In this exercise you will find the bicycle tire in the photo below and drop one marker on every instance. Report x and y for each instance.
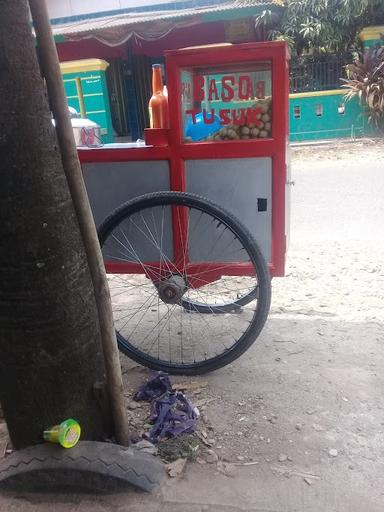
(253, 250)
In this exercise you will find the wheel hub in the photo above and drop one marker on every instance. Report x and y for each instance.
(172, 289)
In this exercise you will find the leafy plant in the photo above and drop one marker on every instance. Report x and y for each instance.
(318, 26)
(366, 81)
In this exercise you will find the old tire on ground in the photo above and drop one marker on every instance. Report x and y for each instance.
(88, 467)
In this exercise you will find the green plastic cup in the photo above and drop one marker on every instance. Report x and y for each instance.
(67, 434)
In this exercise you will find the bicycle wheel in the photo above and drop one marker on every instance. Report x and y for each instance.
(170, 257)
(231, 307)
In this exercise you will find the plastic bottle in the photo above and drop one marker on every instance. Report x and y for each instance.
(158, 104)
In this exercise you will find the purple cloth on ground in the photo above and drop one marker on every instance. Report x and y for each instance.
(171, 412)
(153, 388)
(172, 415)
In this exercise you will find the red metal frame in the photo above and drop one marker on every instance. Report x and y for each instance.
(178, 151)
(199, 274)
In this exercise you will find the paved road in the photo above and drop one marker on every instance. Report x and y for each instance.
(338, 197)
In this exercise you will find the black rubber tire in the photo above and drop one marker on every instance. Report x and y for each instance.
(249, 243)
(232, 307)
(90, 466)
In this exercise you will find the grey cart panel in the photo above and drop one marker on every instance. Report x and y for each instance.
(139, 238)
(109, 185)
(244, 187)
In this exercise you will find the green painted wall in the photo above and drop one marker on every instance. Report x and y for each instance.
(371, 42)
(96, 99)
(316, 116)
(372, 35)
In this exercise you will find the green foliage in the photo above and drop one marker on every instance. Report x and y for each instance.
(316, 26)
(366, 80)
(325, 25)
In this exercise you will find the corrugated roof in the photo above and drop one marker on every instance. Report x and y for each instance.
(124, 25)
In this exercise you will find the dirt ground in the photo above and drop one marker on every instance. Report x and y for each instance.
(297, 423)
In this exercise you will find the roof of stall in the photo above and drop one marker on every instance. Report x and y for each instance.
(116, 29)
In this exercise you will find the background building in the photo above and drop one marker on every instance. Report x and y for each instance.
(116, 41)
(130, 36)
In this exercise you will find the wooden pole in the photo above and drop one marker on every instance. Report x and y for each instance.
(79, 91)
(51, 70)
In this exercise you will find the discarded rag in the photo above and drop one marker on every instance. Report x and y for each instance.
(153, 388)
(171, 412)
(172, 415)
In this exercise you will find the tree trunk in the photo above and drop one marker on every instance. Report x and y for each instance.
(50, 351)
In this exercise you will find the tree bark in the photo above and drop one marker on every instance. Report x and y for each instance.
(49, 64)
(50, 351)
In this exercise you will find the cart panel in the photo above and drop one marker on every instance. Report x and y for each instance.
(132, 241)
(110, 184)
(244, 187)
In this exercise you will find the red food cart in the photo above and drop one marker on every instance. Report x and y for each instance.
(192, 223)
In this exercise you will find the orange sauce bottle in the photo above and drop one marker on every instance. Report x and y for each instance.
(158, 104)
